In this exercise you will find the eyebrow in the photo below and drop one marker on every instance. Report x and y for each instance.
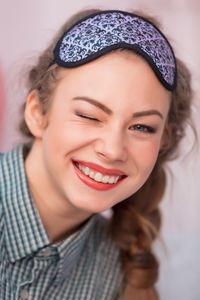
(148, 113)
(109, 111)
(95, 103)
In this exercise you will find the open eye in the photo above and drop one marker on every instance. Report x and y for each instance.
(86, 117)
(143, 128)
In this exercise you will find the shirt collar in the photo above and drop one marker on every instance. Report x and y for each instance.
(24, 231)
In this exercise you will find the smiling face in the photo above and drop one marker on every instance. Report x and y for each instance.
(104, 132)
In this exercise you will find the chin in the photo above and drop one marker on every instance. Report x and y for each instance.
(96, 204)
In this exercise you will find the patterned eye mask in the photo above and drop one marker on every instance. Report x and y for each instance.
(99, 33)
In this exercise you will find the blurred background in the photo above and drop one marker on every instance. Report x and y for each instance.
(26, 28)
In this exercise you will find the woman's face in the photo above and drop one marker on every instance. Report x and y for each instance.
(104, 131)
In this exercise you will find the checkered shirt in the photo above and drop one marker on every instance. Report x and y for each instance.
(85, 266)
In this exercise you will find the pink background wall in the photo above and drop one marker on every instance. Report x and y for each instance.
(2, 100)
(27, 26)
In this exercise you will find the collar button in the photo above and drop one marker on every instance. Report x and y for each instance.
(46, 252)
(24, 294)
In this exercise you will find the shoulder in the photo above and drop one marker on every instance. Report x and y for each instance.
(11, 157)
(10, 165)
(1, 156)
(1, 207)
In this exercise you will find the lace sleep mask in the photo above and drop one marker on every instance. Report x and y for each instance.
(102, 32)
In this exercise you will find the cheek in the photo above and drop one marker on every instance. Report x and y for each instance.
(146, 154)
(64, 136)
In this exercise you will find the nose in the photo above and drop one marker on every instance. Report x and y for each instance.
(112, 146)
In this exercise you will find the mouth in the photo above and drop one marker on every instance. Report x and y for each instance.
(98, 177)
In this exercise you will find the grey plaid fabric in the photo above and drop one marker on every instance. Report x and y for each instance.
(85, 266)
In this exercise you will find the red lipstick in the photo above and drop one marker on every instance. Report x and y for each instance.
(104, 171)
(94, 184)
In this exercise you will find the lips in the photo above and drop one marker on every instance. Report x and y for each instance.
(104, 171)
(96, 176)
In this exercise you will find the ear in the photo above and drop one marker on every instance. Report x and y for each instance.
(33, 114)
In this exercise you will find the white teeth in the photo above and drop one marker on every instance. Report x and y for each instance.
(105, 179)
(98, 176)
(116, 179)
(111, 179)
(87, 171)
(91, 174)
(80, 167)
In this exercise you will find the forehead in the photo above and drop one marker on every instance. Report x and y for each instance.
(120, 59)
(116, 59)
(117, 77)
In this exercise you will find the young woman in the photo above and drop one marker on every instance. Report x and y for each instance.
(106, 108)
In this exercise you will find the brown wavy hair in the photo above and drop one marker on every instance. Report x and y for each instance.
(136, 221)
